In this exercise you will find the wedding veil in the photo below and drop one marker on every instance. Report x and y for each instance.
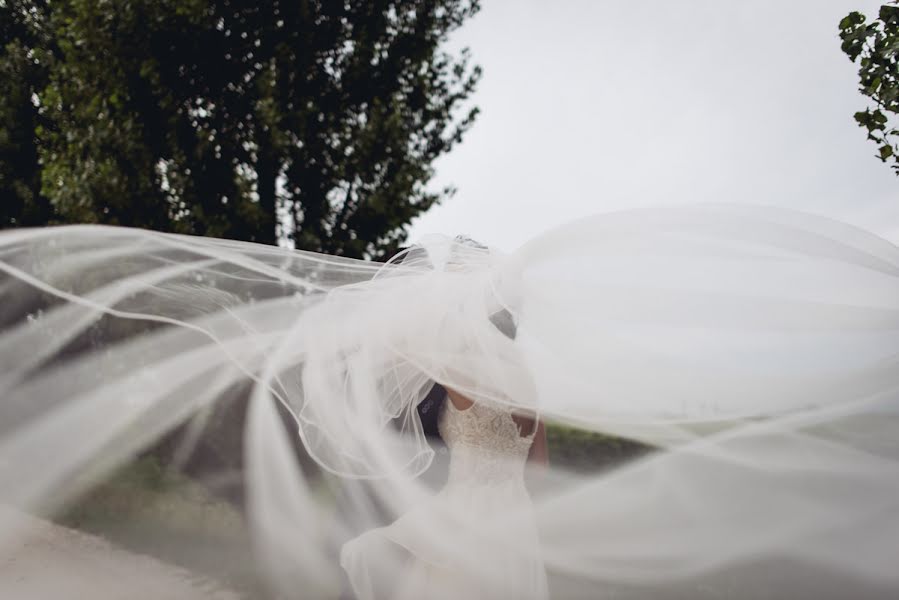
(755, 350)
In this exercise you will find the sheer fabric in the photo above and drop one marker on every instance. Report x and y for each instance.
(754, 348)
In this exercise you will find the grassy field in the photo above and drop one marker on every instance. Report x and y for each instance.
(151, 509)
(589, 452)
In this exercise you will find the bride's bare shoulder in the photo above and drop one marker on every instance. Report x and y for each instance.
(458, 400)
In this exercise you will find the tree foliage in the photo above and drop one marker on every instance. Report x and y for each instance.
(875, 46)
(313, 121)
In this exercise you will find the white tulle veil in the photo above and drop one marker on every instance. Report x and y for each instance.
(755, 350)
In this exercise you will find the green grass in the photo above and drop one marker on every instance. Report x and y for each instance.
(150, 509)
(589, 452)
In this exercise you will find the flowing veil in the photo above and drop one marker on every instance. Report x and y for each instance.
(754, 350)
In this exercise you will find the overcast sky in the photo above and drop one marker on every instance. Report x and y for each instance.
(592, 106)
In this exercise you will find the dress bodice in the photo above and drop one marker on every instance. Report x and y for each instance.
(484, 512)
(484, 443)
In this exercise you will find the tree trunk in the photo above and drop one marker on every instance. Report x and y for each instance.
(267, 175)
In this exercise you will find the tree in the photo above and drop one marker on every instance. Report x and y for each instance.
(312, 121)
(875, 46)
(21, 202)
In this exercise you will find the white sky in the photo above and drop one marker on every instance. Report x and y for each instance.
(592, 106)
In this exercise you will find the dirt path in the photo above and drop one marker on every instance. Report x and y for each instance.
(49, 561)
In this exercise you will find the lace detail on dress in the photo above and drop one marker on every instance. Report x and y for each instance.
(484, 443)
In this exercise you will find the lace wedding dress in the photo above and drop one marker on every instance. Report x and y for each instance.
(490, 548)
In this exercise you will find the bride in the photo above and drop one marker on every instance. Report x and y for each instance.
(489, 446)
(755, 349)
